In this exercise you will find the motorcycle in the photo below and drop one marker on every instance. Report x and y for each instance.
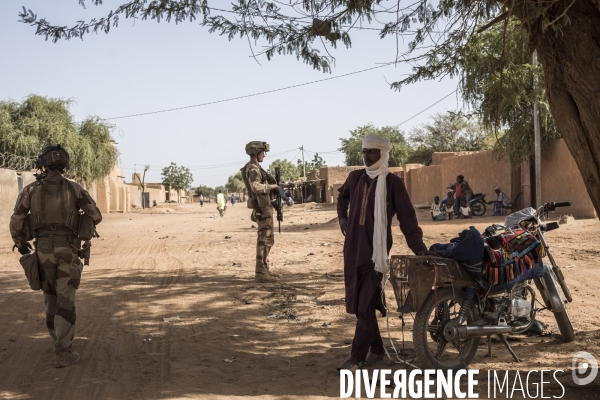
(452, 317)
(476, 204)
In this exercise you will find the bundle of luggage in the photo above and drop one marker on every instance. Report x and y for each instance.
(511, 257)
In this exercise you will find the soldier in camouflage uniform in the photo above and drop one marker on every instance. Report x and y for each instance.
(261, 187)
(48, 211)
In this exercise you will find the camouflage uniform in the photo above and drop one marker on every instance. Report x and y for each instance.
(57, 253)
(262, 213)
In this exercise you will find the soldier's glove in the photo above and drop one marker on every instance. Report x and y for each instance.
(25, 249)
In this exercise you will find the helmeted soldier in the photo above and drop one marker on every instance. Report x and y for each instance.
(262, 188)
(50, 211)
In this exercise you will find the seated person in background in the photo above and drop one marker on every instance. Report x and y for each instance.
(464, 210)
(437, 214)
(449, 202)
(502, 201)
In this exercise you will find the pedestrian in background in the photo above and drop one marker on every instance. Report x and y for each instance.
(221, 203)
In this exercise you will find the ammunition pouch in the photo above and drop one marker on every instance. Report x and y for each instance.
(86, 228)
(264, 201)
(31, 267)
(252, 202)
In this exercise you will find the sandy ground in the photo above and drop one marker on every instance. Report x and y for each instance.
(231, 336)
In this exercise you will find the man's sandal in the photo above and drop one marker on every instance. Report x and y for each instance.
(349, 364)
(371, 359)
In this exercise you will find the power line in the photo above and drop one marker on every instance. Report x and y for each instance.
(323, 152)
(422, 111)
(213, 166)
(254, 94)
(289, 151)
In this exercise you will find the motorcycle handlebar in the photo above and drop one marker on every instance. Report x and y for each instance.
(553, 205)
(562, 204)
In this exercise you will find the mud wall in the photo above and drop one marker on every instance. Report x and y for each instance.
(408, 177)
(334, 178)
(103, 193)
(436, 158)
(134, 196)
(426, 183)
(28, 177)
(9, 190)
(562, 181)
(156, 194)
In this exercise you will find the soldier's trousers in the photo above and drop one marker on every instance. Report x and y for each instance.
(264, 242)
(61, 270)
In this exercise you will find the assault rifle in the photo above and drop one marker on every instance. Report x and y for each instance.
(278, 199)
(84, 253)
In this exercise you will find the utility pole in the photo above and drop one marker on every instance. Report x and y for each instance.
(146, 168)
(303, 164)
(538, 141)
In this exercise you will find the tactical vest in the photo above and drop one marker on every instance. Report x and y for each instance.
(257, 201)
(54, 208)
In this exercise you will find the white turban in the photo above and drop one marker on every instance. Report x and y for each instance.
(379, 170)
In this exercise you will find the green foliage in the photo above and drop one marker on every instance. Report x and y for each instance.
(434, 31)
(204, 191)
(496, 82)
(511, 104)
(289, 172)
(352, 147)
(235, 184)
(447, 132)
(178, 178)
(37, 122)
(316, 164)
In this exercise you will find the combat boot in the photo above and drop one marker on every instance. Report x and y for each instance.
(265, 278)
(65, 358)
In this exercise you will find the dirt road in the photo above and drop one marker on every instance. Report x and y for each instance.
(227, 335)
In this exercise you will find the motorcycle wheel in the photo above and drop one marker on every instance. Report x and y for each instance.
(478, 208)
(562, 316)
(431, 348)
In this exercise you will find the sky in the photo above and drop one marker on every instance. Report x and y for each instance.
(144, 66)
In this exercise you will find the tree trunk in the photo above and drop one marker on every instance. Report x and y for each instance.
(571, 63)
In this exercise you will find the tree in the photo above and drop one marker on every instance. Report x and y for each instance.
(352, 147)
(235, 184)
(564, 33)
(447, 132)
(204, 191)
(177, 178)
(289, 172)
(317, 163)
(37, 122)
(510, 105)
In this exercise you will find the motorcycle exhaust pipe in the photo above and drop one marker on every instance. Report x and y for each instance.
(466, 332)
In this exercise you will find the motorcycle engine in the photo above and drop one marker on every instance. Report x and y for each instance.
(521, 308)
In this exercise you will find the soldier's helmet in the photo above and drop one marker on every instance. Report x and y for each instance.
(53, 156)
(256, 147)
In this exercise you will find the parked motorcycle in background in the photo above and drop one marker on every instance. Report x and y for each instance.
(477, 203)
